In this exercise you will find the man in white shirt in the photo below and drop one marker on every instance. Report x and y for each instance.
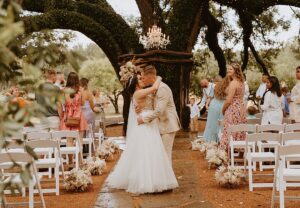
(262, 87)
(207, 91)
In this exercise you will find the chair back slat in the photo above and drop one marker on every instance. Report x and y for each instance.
(43, 143)
(290, 136)
(270, 127)
(292, 127)
(65, 133)
(288, 150)
(15, 156)
(242, 128)
(263, 136)
(38, 135)
(253, 121)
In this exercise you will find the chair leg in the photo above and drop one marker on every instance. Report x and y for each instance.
(31, 198)
(90, 149)
(57, 180)
(77, 161)
(250, 174)
(39, 188)
(231, 154)
(260, 163)
(281, 193)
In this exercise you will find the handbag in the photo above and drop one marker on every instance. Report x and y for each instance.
(72, 122)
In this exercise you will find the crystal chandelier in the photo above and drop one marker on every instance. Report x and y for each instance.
(155, 39)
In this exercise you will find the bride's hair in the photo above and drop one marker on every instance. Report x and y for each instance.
(131, 85)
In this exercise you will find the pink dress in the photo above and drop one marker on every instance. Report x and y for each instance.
(73, 108)
(234, 114)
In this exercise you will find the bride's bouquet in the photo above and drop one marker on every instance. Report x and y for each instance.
(230, 176)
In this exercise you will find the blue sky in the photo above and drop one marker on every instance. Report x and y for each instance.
(129, 8)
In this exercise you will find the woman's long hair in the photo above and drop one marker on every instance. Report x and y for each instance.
(275, 88)
(73, 82)
(238, 71)
(84, 83)
(220, 88)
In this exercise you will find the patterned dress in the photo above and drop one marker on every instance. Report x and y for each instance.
(234, 114)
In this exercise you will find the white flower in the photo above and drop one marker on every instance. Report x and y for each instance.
(230, 176)
(77, 180)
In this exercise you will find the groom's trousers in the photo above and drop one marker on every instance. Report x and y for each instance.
(168, 140)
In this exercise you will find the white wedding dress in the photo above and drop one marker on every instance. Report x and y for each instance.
(144, 166)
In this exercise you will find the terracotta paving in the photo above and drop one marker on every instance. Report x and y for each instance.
(186, 167)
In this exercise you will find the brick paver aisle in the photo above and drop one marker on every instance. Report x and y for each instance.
(186, 167)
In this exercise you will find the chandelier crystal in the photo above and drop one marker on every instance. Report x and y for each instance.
(155, 39)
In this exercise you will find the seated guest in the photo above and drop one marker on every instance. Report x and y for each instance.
(272, 106)
(251, 110)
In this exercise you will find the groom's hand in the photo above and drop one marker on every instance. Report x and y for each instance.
(140, 120)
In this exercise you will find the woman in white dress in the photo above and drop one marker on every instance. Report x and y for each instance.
(144, 166)
(272, 103)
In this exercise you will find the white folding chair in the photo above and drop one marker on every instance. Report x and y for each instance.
(284, 174)
(233, 144)
(259, 115)
(295, 127)
(47, 151)
(89, 140)
(100, 136)
(65, 150)
(288, 139)
(51, 162)
(259, 156)
(292, 127)
(21, 159)
(268, 144)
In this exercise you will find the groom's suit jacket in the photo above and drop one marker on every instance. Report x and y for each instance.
(164, 110)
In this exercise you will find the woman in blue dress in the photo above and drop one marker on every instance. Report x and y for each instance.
(217, 99)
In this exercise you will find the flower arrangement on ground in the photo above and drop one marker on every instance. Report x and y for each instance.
(94, 165)
(216, 157)
(107, 149)
(230, 176)
(77, 180)
(197, 143)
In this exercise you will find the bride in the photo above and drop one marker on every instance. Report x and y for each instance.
(144, 166)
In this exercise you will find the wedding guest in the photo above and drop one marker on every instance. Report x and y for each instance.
(207, 91)
(285, 96)
(87, 100)
(60, 80)
(194, 116)
(72, 110)
(51, 120)
(215, 111)
(100, 102)
(273, 103)
(262, 87)
(247, 92)
(233, 107)
(251, 110)
(295, 99)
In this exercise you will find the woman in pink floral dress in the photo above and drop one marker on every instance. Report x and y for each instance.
(233, 108)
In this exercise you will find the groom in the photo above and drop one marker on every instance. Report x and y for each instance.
(164, 110)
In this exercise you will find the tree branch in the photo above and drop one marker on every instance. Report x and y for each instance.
(258, 59)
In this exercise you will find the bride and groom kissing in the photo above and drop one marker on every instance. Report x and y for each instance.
(146, 164)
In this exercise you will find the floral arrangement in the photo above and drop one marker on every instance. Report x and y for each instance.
(216, 157)
(230, 176)
(127, 71)
(107, 149)
(197, 143)
(78, 180)
(207, 146)
(94, 165)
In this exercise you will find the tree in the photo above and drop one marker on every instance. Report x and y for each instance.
(102, 75)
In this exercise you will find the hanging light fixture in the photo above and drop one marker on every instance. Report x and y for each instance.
(154, 39)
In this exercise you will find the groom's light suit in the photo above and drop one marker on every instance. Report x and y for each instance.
(165, 111)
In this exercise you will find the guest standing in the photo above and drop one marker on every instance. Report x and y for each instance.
(215, 111)
(194, 117)
(295, 99)
(262, 87)
(233, 107)
(87, 102)
(272, 106)
(207, 91)
(72, 109)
